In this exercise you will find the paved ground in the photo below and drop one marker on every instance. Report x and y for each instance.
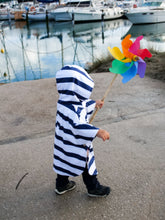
(132, 162)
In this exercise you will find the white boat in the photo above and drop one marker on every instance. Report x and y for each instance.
(126, 5)
(87, 11)
(64, 12)
(38, 13)
(5, 12)
(38, 16)
(6, 15)
(150, 12)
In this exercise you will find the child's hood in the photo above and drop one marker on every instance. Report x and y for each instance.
(74, 83)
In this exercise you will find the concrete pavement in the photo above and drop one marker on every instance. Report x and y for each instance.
(132, 162)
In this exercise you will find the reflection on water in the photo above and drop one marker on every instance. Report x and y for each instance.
(39, 50)
(154, 35)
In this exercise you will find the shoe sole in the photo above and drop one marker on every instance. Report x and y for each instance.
(99, 196)
(94, 195)
(61, 193)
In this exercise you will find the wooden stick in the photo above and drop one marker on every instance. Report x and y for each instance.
(105, 95)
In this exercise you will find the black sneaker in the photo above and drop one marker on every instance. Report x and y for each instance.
(70, 186)
(99, 191)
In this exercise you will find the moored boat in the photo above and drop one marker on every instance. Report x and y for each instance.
(87, 11)
(150, 12)
(5, 12)
(38, 13)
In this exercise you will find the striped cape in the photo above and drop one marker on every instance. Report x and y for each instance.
(73, 134)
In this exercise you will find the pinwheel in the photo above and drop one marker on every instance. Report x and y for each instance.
(131, 62)
(128, 64)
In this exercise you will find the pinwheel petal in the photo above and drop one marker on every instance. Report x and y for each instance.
(136, 45)
(116, 53)
(143, 53)
(126, 44)
(131, 73)
(141, 68)
(119, 67)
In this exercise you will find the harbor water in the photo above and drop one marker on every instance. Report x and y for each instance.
(38, 50)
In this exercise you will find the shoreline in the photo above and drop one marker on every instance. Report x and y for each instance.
(155, 68)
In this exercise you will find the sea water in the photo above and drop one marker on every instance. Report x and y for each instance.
(38, 50)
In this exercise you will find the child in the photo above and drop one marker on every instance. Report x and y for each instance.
(73, 150)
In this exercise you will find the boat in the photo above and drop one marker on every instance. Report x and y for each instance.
(14, 11)
(126, 5)
(64, 12)
(38, 13)
(5, 12)
(150, 12)
(86, 11)
(37, 16)
(6, 15)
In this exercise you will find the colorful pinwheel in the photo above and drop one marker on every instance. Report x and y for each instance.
(127, 64)
(131, 61)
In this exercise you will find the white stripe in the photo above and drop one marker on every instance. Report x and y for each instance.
(84, 132)
(74, 88)
(71, 138)
(67, 167)
(92, 168)
(70, 148)
(74, 74)
(66, 174)
(71, 160)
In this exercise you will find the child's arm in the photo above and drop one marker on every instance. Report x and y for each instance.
(103, 134)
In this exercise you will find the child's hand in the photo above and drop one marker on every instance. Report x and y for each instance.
(103, 134)
(99, 104)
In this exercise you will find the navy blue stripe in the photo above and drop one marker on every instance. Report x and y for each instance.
(69, 103)
(91, 102)
(69, 164)
(89, 113)
(82, 146)
(68, 92)
(74, 80)
(64, 170)
(67, 131)
(71, 107)
(70, 154)
(91, 161)
(95, 172)
(90, 149)
(76, 69)
(80, 126)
